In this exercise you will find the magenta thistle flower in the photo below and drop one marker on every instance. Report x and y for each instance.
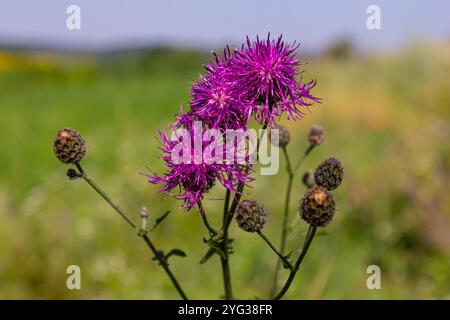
(189, 173)
(267, 72)
(183, 119)
(216, 100)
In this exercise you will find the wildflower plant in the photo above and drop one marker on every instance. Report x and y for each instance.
(262, 81)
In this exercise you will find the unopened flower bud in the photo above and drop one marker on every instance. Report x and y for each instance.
(72, 174)
(329, 174)
(317, 207)
(251, 216)
(144, 217)
(316, 135)
(69, 146)
(283, 137)
(144, 212)
(308, 179)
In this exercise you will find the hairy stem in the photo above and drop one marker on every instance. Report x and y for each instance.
(161, 259)
(309, 238)
(282, 258)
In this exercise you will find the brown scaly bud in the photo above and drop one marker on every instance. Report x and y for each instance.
(329, 174)
(283, 137)
(251, 216)
(317, 207)
(316, 135)
(308, 179)
(69, 146)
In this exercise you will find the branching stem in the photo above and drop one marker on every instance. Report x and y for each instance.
(162, 261)
(285, 226)
(282, 258)
(309, 238)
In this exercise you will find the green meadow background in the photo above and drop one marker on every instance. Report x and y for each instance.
(386, 116)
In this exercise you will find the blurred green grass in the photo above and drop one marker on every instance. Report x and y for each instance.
(386, 117)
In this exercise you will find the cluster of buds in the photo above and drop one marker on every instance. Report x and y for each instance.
(317, 207)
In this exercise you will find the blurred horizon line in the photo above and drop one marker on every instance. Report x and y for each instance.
(148, 45)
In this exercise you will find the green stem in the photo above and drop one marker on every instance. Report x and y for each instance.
(225, 260)
(300, 161)
(147, 240)
(309, 238)
(285, 226)
(228, 214)
(211, 230)
(105, 196)
(282, 258)
(165, 266)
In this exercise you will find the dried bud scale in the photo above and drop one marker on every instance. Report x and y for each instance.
(317, 207)
(251, 216)
(69, 146)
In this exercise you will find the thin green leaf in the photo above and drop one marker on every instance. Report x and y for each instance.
(219, 251)
(176, 252)
(207, 255)
(159, 220)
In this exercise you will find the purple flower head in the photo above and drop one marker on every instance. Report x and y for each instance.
(216, 100)
(191, 172)
(183, 119)
(267, 72)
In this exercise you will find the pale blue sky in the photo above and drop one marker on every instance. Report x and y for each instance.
(211, 23)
